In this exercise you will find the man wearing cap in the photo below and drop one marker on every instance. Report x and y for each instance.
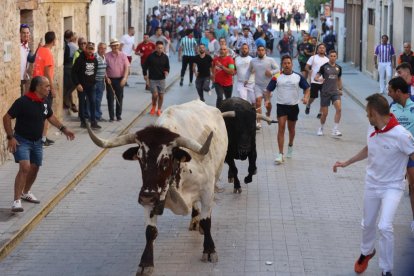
(117, 75)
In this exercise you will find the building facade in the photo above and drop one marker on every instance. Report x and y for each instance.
(42, 16)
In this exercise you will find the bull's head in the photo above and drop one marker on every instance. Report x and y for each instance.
(159, 154)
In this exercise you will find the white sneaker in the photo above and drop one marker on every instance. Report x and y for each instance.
(336, 133)
(320, 132)
(17, 206)
(279, 159)
(30, 197)
(289, 152)
(258, 126)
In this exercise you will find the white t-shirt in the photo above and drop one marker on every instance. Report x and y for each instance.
(387, 158)
(242, 65)
(24, 53)
(128, 42)
(316, 62)
(289, 88)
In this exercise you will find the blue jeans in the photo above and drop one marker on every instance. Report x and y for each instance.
(28, 150)
(87, 97)
(99, 90)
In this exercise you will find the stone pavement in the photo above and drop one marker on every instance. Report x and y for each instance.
(65, 161)
(298, 216)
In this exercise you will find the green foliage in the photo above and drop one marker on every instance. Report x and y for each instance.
(313, 6)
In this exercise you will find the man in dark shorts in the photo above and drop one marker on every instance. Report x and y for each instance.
(25, 142)
(305, 51)
(289, 86)
(158, 66)
(330, 74)
(203, 63)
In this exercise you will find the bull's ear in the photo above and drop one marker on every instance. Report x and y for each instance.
(131, 154)
(181, 155)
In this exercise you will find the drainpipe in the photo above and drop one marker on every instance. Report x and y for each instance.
(391, 20)
(360, 37)
(129, 14)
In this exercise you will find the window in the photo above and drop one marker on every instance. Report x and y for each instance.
(371, 17)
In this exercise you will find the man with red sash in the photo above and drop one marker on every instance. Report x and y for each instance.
(25, 142)
(388, 146)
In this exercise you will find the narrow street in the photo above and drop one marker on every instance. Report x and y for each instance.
(298, 218)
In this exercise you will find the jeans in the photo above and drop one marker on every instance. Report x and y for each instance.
(119, 93)
(385, 71)
(68, 86)
(87, 96)
(385, 203)
(202, 85)
(99, 90)
(220, 90)
(28, 150)
(187, 60)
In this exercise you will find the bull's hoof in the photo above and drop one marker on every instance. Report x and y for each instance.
(248, 179)
(210, 257)
(145, 271)
(231, 179)
(194, 225)
(237, 191)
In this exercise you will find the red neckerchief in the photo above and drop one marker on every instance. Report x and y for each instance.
(391, 124)
(33, 96)
(92, 57)
(190, 36)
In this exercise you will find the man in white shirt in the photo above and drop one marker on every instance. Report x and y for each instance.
(127, 45)
(388, 146)
(314, 63)
(244, 86)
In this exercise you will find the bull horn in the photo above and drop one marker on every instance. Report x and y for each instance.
(111, 143)
(229, 114)
(193, 145)
(265, 118)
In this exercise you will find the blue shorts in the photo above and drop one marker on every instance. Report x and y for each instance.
(28, 150)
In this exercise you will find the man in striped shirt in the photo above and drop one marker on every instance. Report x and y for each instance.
(384, 60)
(100, 80)
(187, 50)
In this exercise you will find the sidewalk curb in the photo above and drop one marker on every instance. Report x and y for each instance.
(347, 90)
(9, 246)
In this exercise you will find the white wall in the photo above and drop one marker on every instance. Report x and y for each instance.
(97, 30)
(338, 19)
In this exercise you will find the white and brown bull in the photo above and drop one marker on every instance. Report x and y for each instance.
(181, 158)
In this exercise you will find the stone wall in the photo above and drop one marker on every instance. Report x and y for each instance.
(48, 15)
(9, 71)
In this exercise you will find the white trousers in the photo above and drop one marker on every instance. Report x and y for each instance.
(385, 71)
(246, 92)
(384, 203)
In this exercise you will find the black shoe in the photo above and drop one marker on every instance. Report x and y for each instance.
(95, 125)
(387, 274)
(181, 82)
(307, 110)
(111, 120)
(46, 143)
(83, 125)
(102, 120)
(119, 119)
(319, 116)
(50, 141)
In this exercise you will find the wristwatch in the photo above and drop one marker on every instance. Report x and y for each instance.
(9, 137)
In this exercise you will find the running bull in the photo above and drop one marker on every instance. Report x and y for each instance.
(181, 158)
(240, 118)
